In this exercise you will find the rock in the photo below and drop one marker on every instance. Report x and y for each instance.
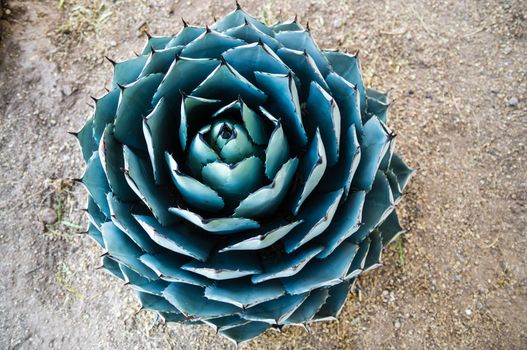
(48, 216)
(513, 101)
(397, 325)
(67, 89)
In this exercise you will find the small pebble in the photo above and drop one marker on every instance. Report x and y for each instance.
(513, 101)
(7, 12)
(397, 325)
(468, 312)
(336, 23)
(67, 90)
(48, 216)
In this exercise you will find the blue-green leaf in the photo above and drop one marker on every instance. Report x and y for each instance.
(227, 84)
(375, 143)
(348, 67)
(160, 60)
(142, 284)
(304, 67)
(373, 259)
(195, 193)
(315, 275)
(244, 332)
(334, 304)
(289, 26)
(341, 174)
(220, 226)
(267, 199)
(111, 155)
(156, 43)
(183, 75)
(105, 110)
(95, 215)
(248, 59)
(234, 182)
(86, 140)
(324, 114)
(301, 40)
(250, 34)
(357, 265)
(311, 169)
(347, 221)
(348, 100)
(190, 301)
(200, 153)
(317, 214)
(186, 35)
(243, 293)
(378, 205)
(309, 307)
(181, 239)
(401, 171)
(126, 72)
(228, 265)
(377, 104)
(390, 229)
(167, 266)
(158, 129)
(123, 219)
(288, 265)
(134, 105)
(95, 234)
(284, 103)
(124, 250)
(138, 174)
(95, 182)
(237, 18)
(275, 311)
(256, 125)
(238, 147)
(210, 44)
(262, 238)
(112, 266)
(195, 114)
(277, 151)
(155, 303)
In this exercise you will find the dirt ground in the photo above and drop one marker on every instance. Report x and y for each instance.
(457, 72)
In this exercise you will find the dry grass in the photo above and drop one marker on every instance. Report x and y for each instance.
(84, 16)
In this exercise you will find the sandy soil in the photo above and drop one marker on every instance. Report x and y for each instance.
(458, 75)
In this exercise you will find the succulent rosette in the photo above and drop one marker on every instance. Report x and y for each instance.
(238, 176)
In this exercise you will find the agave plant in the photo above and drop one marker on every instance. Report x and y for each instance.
(240, 177)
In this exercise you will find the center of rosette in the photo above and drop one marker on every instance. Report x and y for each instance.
(230, 141)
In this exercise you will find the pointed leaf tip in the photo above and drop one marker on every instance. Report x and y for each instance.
(110, 60)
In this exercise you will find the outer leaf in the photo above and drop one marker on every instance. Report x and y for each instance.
(218, 226)
(191, 302)
(283, 102)
(134, 105)
(179, 239)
